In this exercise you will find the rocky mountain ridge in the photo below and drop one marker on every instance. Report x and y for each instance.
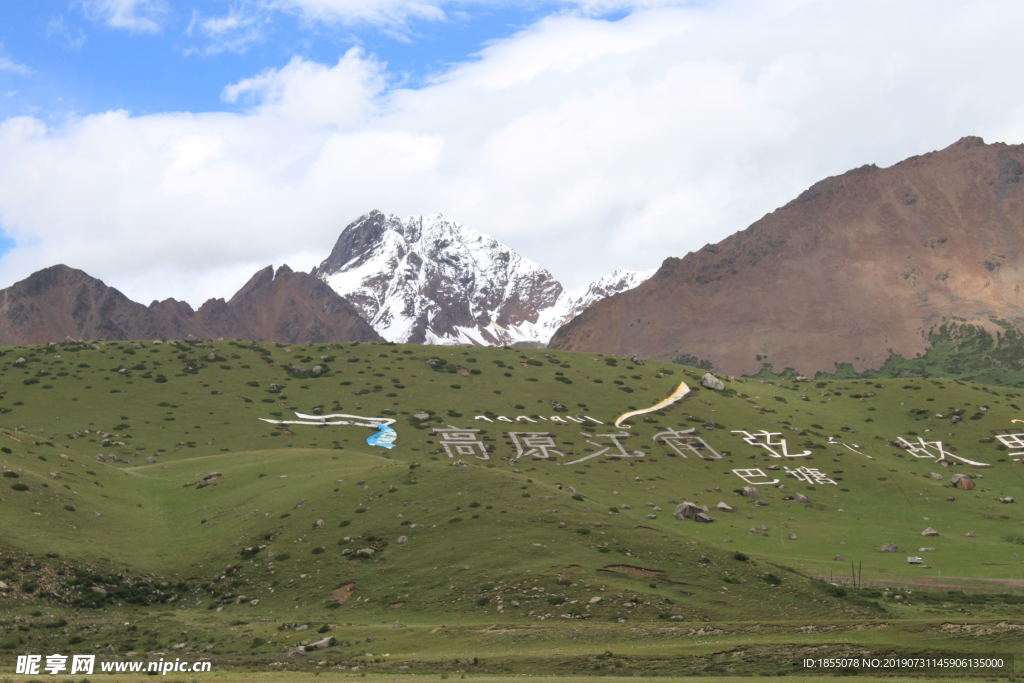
(59, 302)
(426, 280)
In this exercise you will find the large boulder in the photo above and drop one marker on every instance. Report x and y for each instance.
(688, 510)
(962, 482)
(709, 381)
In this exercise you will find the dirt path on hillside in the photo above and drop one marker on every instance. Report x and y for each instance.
(290, 452)
(948, 582)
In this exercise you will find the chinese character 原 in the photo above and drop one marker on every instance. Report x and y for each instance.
(537, 445)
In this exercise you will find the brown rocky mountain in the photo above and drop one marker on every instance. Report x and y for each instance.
(285, 306)
(60, 302)
(858, 266)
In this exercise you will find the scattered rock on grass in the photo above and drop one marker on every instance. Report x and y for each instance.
(208, 480)
(321, 644)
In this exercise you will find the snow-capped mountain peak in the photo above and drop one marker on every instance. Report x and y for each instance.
(428, 279)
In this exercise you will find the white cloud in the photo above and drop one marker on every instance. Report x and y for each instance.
(8, 65)
(385, 12)
(232, 32)
(304, 92)
(72, 37)
(586, 144)
(136, 16)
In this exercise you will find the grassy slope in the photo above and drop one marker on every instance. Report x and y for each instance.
(493, 542)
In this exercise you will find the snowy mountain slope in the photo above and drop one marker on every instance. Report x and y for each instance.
(572, 302)
(431, 280)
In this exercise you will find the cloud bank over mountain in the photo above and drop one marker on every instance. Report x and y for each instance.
(577, 140)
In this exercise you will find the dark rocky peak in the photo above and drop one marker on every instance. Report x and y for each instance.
(358, 238)
(59, 275)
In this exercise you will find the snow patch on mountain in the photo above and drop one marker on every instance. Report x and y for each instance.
(573, 302)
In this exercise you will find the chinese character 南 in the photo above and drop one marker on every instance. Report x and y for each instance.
(619, 451)
(810, 475)
(755, 476)
(771, 442)
(537, 445)
(458, 443)
(934, 450)
(684, 440)
(1013, 441)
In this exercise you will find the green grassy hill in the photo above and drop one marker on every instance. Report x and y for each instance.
(522, 564)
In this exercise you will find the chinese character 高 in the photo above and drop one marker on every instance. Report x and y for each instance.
(459, 443)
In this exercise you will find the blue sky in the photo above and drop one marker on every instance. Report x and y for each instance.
(74, 61)
(174, 147)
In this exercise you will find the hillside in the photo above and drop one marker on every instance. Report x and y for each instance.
(142, 486)
(859, 267)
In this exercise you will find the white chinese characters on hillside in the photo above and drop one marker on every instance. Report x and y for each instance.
(934, 450)
(1015, 442)
(771, 442)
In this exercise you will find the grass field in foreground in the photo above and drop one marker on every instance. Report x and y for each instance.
(539, 565)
